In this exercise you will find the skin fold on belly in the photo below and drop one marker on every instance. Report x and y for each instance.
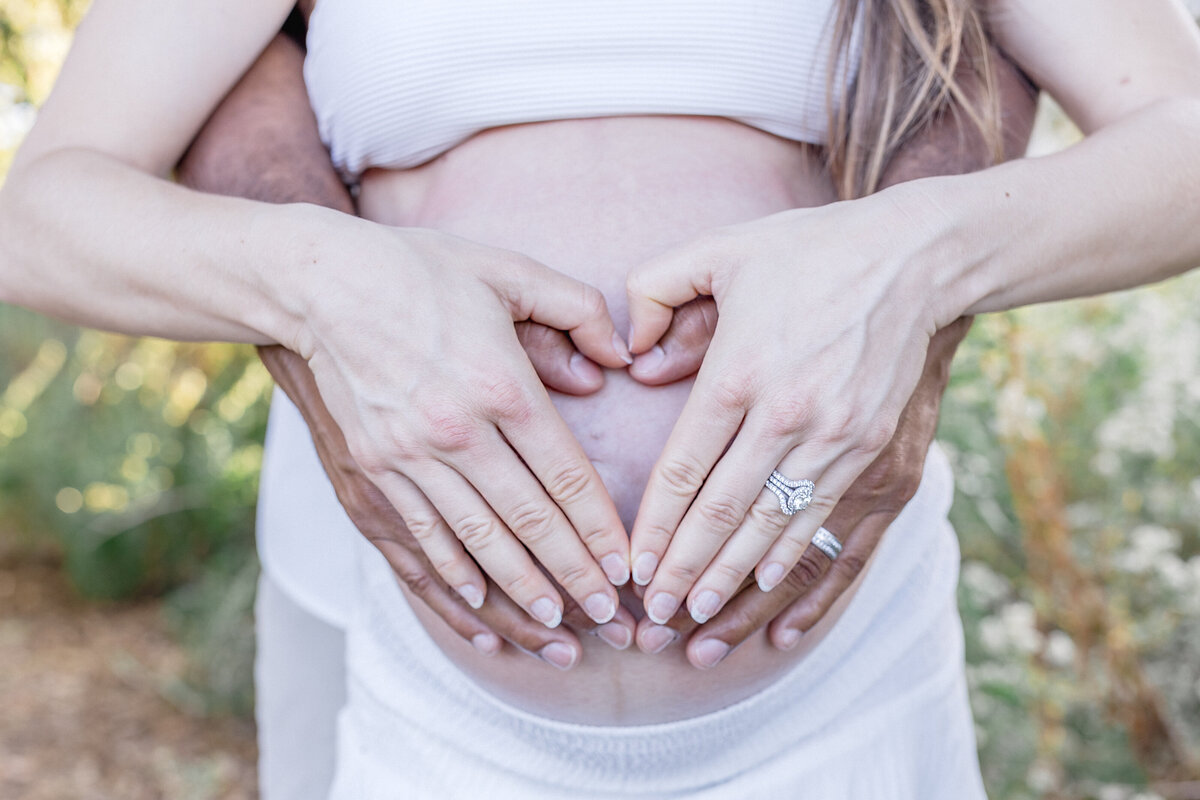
(592, 198)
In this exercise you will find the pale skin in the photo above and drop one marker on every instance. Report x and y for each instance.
(216, 268)
(262, 143)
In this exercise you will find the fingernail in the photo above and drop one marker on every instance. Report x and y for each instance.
(710, 652)
(470, 592)
(486, 643)
(616, 635)
(789, 638)
(616, 567)
(770, 577)
(656, 639)
(662, 607)
(643, 568)
(557, 654)
(622, 349)
(547, 612)
(652, 359)
(600, 607)
(583, 367)
(707, 603)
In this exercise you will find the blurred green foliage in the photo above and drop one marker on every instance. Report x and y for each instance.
(138, 461)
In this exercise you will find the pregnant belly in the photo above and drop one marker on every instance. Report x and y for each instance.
(593, 198)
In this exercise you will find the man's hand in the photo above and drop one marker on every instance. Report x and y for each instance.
(262, 143)
(876, 499)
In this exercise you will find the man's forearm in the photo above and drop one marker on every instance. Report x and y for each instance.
(262, 141)
(951, 145)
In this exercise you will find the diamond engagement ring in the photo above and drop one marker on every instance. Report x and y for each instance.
(827, 543)
(793, 495)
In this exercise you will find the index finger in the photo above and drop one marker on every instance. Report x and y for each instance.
(555, 457)
(709, 419)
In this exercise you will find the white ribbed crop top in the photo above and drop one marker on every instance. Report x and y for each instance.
(395, 83)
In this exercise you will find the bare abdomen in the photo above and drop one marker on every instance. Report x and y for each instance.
(592, 198)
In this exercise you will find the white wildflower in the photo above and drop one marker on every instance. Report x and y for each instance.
(1059, 650)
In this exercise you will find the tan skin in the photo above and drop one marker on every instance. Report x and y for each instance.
(269, 105)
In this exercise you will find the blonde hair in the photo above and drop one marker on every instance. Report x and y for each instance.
(917, 59)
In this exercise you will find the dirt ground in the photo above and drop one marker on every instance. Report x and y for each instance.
(83, 703)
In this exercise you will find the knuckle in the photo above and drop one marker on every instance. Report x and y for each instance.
(729, 573)
(739, 621)
(521, 585)
(682, 475)
(788, 415)
(568, 483)
(594, 538)
(765, 518)
(423, 527)
(507, 400)
(682, 574)
(573, 575)
(532, 521)
(592, 302)
(873, 437)
(730, 393)
(808, 570)
(849, 564)
(721, 512)
(420, 583)
(477, 533)
(450, 430)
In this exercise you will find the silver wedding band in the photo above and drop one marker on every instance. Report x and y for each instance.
(827, 543)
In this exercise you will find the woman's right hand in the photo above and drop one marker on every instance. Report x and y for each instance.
(410, 335)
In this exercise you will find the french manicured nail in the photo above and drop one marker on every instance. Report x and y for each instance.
(486, 643)
(656, 639)
(652, 359)
(770, 577)
(710, 652)
(622, 349)
(616, 635)
(557, 654)
(643, 568)
(600, 607)
(662, 607)
(707, 603)
(470, 592)
(547, 612)
(616, 567)
(789, 638)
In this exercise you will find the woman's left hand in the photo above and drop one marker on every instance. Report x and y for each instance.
(825, 316)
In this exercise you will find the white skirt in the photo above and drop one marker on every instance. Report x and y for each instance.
(877, 711)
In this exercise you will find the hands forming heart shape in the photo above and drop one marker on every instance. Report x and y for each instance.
(470, 456)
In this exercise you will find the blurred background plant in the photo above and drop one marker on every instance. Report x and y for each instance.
(1074, 429)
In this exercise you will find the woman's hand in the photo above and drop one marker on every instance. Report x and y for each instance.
(498, 618)
(823, 330)
(410, 335)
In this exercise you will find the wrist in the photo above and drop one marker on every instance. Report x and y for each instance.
(294, 272)
(949, 232)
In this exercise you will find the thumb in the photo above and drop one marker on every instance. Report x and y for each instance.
(656, 288)
(537, 293)
(681, 349)
(559, 365)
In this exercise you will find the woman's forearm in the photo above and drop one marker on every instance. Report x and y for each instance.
(91, 240)
(1117, 210)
